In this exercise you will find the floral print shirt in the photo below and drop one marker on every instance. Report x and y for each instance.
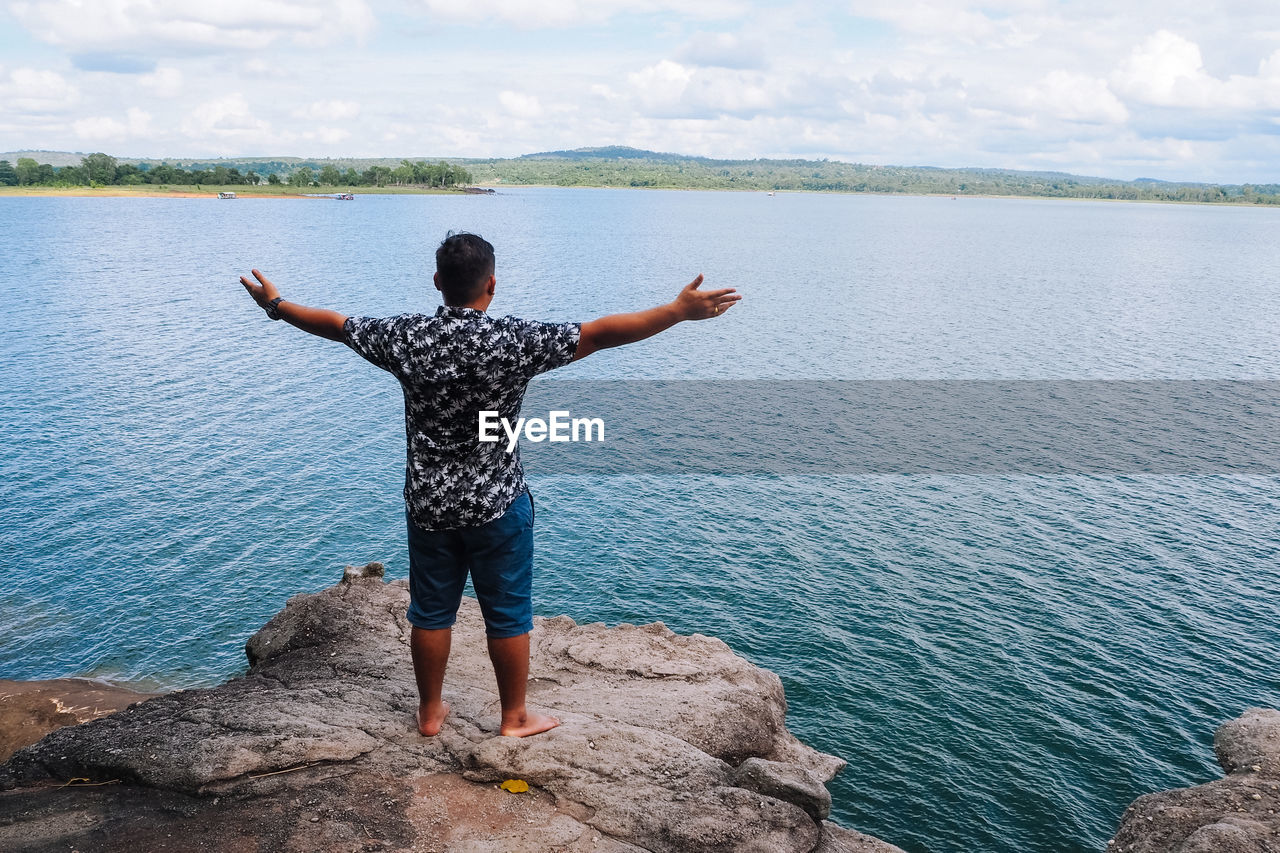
(452, 366)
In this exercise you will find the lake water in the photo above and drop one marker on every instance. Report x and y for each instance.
(1005, 659)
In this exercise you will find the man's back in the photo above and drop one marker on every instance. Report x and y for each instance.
(453, 365)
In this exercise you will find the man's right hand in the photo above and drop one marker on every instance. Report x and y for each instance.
(694, 304)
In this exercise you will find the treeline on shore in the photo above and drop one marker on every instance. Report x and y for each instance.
(104, 170)
(633, 168)
(618, 166)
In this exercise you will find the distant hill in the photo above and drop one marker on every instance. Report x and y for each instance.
(53, 158)
(610, 152)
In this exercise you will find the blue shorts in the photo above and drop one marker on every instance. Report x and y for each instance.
(499, 556)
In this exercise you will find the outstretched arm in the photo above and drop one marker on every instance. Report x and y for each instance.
(616, 330)
(317, 321)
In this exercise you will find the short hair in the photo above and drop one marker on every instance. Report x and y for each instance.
(463, 263)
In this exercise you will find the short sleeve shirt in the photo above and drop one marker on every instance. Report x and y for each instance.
(452, 366)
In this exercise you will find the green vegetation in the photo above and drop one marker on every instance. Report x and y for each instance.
(629, 167)
(611, 167)
(101, 170)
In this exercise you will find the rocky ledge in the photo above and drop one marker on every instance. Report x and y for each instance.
(669, 743)
(1235, 814)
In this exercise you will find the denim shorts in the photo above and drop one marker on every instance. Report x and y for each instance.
(499, 556)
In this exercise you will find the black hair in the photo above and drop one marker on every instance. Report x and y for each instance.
(464, 263)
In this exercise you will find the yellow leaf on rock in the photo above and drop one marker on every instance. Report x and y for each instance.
(515, 786)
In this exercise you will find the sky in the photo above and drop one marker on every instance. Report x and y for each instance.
(1170, 89)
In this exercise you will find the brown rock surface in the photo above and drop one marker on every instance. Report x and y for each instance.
(29, 710)
(1237, 814)
(669, 743)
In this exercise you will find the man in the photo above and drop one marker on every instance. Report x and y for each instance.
(467, 505)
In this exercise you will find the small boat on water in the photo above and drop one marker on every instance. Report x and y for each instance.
(226, 195)
(345, 197)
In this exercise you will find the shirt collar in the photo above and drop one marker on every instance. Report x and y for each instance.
(458, 311)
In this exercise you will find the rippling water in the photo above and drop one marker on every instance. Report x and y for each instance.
(1005, 660)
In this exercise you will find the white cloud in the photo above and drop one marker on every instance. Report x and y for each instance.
(327, 135)
(723, 49)
(1269, 68)
(1167, 70)
(1009, 22)
(137, 123)
(161, 25)
(164, 82)
(227, 119)
(521, 105)
(670, 89)
(573, 13)
(98, 128)
(734, 93)
(660, 86)
(328, 111)
(1074, 97)
(258, 67)
(30, 90)
(601, 90)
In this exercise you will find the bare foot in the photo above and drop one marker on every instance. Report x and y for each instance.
(527, 724)
(429, 723)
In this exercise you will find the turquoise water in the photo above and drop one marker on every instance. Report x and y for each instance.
(1005, 660)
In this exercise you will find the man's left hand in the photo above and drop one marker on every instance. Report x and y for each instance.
(263, 292)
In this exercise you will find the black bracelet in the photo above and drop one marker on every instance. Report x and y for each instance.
(273, 308)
